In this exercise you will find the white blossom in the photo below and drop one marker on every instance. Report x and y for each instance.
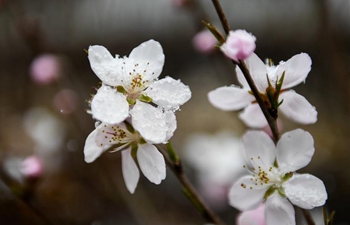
(272, 177)
(47, 131)
(130, 80)
(134, 146)
(294, 106)
(217, 160)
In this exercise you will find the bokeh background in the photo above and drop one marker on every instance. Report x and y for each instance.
(45, 80)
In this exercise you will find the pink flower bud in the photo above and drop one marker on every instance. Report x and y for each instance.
(45, 69)
(204, 42)
(32, 167)
(239, 45)
(252, 217)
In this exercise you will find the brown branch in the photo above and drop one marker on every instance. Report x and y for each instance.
(271, 121)
(190, 192)
(241, 64)
(221, 15)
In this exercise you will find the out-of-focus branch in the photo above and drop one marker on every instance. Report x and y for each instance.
(188, 189)
(24, 195)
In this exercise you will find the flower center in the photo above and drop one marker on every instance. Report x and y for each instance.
(135, 81)
(117, 135)
(262, 176)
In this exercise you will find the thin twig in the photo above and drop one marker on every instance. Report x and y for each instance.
(271, 121)
(221, 15)
(190, 192)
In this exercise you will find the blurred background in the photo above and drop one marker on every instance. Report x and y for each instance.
(45, 80)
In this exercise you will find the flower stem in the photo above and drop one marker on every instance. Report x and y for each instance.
(270, 119)
(188, 189)
(221, 15)
(241, 64)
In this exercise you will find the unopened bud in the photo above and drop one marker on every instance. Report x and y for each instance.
(239, 45)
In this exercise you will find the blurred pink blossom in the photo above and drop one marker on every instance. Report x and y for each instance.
(32, 167)
(45, 69)
(239, 45)
(66, 101)
(252, 217)
(204, 42)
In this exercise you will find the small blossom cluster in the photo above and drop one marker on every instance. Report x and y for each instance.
(135, 110)
(270, 168)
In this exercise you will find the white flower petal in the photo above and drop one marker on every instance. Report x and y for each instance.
(151, 163)
(297, 108)
(259, 148)
(296, 70)
(130, 171)
(230, 98)
(104, 65)
(305, 191)
(294, 150)
(109, 106)
(253, 117)
(150, 122)
(257, 71)
(91, 150)
(244, 198)
(168, 93)
(150, 58)
(171, 123)
(278, 210)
